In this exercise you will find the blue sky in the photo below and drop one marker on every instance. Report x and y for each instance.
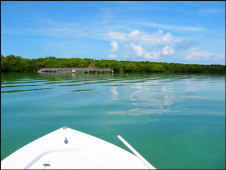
(181, 32)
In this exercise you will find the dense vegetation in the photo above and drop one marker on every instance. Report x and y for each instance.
(13, 63)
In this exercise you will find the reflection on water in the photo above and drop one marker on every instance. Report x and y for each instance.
(159, 114)
(114, 93)
(143, 93)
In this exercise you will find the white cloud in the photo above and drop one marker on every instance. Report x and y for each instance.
(140, 52)
(168, 38)
(211, 11)
(166, 26)
(150, 46)
(195, 55)
(141, 37)
(134, 35)
(116, 36)
(60, 29)
(142, 45)
(114, 46)
(168, 50)
(107, 15)
(112, 56)
(174, 27)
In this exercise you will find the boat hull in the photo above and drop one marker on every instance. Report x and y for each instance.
(67, 148)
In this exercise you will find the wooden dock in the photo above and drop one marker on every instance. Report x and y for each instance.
(75, 70)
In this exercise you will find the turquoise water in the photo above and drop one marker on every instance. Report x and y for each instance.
(174, 121)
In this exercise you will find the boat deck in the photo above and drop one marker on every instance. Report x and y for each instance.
(66, 148)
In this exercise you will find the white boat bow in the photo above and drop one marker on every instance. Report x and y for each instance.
(67, 148)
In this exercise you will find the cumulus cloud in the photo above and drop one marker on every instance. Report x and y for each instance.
(168, 38)
(168, 50)
(141, 37)
(114, 46)
(134, 35)
(143, 45)
(150, 46)
(140, 52)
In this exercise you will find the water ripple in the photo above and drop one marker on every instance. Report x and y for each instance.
(82, 90)
(12, 91)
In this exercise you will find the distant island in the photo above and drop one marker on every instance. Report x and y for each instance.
(12, 63)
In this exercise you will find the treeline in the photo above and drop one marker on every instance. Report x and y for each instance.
(13, 63)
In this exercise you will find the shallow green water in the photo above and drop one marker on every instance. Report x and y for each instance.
(174, 121)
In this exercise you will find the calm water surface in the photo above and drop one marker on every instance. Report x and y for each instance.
(174, 121)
